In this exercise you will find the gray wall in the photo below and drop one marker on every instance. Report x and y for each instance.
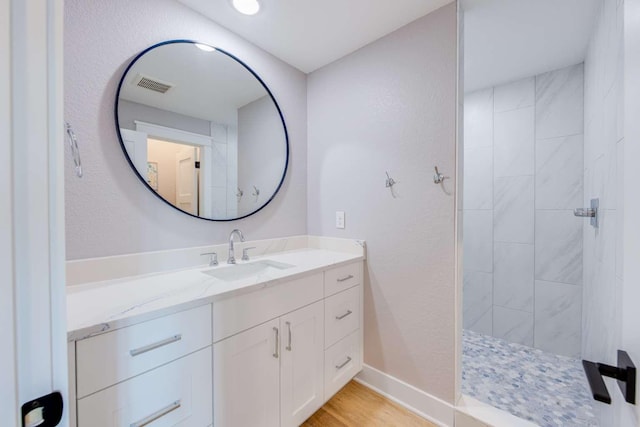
(261, 152)
(129, 112)
(391, 106)
(523, 176)
(109, 211)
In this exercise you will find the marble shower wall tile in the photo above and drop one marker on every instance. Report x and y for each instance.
(219, 167)
(558, 318)
(511, 96)
(478, 240)
(477, 297)
(559, 173)
(513, 151)
(513, 219)
(478, 119)
(513, 325)
(513, 265)
(525, 170)
(484, 325)
(478, 178)
(560, 102)
(558, 247)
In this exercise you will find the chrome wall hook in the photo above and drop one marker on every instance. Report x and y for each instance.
(438, 178)
(390, 182)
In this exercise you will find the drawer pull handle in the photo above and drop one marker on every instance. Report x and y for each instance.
(344, 279)
(344, 315)
(342, 365)
(289, 326)
(276, 354)
(157, 415)
(146, 348)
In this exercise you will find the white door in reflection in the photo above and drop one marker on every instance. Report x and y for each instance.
(187, 180)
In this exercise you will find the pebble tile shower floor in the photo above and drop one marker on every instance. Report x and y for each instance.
(544, 388)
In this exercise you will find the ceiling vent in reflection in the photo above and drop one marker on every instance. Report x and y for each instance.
(152, 84)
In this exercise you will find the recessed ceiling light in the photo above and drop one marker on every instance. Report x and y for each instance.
(205, 47)
(247, 7)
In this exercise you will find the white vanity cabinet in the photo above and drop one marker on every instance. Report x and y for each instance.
(302, 364)
(280, 372)
(272, 374)
(247, 378)
(153, 372)
(268, 357)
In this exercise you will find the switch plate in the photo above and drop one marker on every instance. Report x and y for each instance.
(339, 219)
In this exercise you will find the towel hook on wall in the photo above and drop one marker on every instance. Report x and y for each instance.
(75, 151)
(390, 182)
(438, 178)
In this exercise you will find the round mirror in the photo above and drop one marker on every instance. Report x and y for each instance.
(201, 130)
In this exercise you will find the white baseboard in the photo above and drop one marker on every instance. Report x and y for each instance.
(417, 401)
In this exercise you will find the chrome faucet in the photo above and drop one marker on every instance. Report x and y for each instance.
(232, 258)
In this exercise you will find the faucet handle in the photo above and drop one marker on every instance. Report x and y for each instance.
(245, 253)
(213, 261)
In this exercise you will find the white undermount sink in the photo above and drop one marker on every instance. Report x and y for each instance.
(242, 271)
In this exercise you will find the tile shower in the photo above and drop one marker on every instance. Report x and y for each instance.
(523, 175)
(542, 289)
(523, 248)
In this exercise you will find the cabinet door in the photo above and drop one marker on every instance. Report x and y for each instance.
(301, 371)
(246, 378)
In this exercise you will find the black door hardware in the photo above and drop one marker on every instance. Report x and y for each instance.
(625, 373)
(45, 411)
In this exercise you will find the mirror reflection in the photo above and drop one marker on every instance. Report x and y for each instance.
(201, 130)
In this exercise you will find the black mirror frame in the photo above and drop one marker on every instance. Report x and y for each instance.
(144, 181)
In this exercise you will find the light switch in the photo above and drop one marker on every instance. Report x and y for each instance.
(339, 219)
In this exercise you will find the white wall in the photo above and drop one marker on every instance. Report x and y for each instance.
(603, 161)
(391, 106)
(523, 175)
(109, 211)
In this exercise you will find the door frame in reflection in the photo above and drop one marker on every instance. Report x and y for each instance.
(138, 152)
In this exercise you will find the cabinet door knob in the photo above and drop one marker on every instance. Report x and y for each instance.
(344, 315)
(146, 348)
(158, 414)
(343, 364)
(276, 353)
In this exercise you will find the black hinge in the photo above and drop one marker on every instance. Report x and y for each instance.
(625, 373)
(197, 165)
(45, 411)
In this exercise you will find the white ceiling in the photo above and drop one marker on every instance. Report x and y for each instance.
(309, 34)
(505, 40)
(212, 87)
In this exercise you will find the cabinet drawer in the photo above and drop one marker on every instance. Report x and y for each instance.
(241, 312)
(342, 362)
(107, 359)
(341, 278)
(176, 394)
(341, 315)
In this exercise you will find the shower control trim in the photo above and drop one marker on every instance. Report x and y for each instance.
(591, 212)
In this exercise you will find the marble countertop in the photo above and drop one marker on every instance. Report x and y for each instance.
(99, 307)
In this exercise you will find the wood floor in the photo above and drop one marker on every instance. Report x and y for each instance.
(358, 406)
